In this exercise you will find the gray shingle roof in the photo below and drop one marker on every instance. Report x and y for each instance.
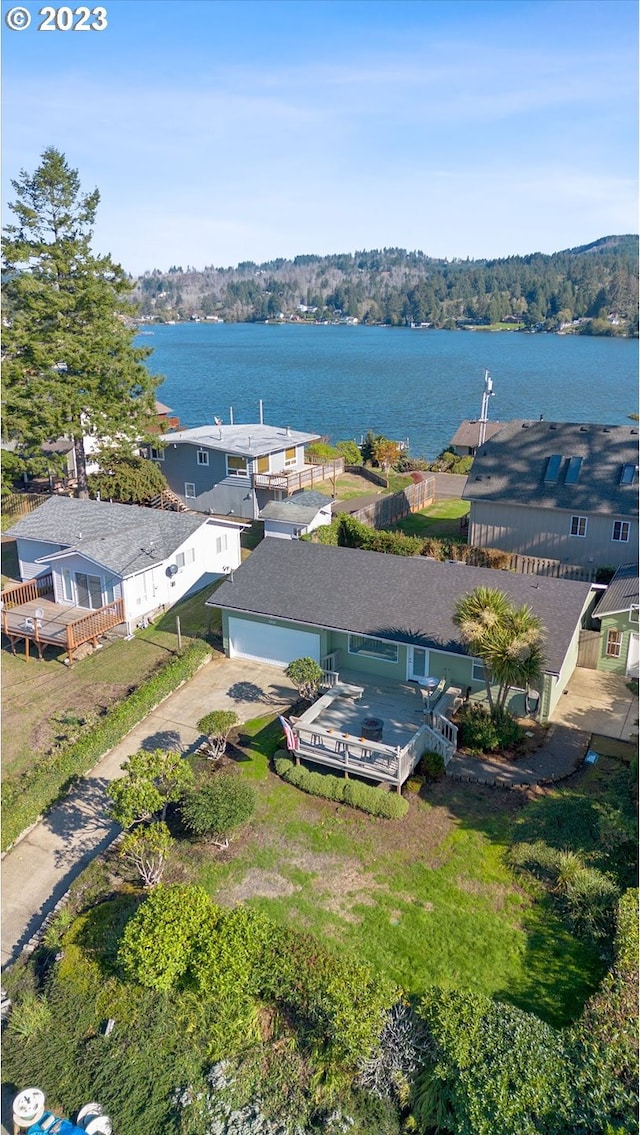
(391, 597)
(468, 433)
(511, 467)
(123, 537)
(621, 594)
(299, 508)
(251, 440)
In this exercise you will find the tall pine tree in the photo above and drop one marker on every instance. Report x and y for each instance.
(70, 367)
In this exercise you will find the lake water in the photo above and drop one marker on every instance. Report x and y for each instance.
(413, 384)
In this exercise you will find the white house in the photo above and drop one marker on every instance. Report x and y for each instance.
(98, 552)
(296, 515)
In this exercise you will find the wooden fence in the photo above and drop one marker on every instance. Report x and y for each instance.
(554, 569)
(388, 510)
(15, 505)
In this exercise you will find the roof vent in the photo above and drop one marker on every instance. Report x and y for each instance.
(552, 426)
(606, 430)
(525, 425)
(634, 433)
(478, 476)
(584, 429)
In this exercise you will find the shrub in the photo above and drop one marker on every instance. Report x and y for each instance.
(29, 1017)
(217, 727)
(217, 805)
(350, 451)
(462, 466)
(432, 765)
(591, 900)
(169, 930)
(363, 796)
(481, 732)
(306, 675)
(322, 451)
(29, 794)
(146, 849)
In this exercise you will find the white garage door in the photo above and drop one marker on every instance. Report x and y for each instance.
(265, 643)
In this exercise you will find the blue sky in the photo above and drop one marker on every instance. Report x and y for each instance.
(240, 130)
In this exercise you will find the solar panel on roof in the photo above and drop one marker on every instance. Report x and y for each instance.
(627, 475)
(553, 468)
(573, 471)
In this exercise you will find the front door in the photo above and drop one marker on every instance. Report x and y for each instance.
(88, 590)
(417, 663)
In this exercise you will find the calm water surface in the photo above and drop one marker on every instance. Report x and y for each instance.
(342, 381)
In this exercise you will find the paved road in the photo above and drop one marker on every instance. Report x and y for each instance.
(38, 871)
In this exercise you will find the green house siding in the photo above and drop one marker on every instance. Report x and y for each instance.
(618, 623)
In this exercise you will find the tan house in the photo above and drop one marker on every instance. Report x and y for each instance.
(562, 491)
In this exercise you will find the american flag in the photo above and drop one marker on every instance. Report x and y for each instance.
(292, 740)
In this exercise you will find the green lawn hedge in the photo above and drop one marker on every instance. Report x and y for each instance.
(352, 792)
(27, 796)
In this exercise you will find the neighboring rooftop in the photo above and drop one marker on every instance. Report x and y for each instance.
(253, 440)
(568, 465)
(621, 594)
(123, 537)
(468, 433)
(398, 598)
(299, 508)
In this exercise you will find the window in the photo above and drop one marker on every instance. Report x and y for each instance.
(88, 590)
(553, 468)
(221, 544)
(180, 559)
(477, 670)
(573, 471)
(578, 526)
(614, 644)
(628, 474)
(156, 454)
(187, 557)
(189, 490)
(290, 456)
(236, 466)
(66, 584)
(109, 595)
(621, 529)
(633, 614)
(373, 648)
(263, 464)
(203, 457)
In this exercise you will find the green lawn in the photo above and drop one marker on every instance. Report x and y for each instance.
(441, 521)
(426, 900)
(37, 696)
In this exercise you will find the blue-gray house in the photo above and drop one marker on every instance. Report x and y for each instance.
(236, 470)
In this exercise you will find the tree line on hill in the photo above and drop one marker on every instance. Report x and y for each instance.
(596, 284)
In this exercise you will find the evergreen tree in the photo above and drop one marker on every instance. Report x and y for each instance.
(70, 368)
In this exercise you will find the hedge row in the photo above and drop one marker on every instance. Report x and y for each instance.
(347, 532)
(352, 792)
(27, 796)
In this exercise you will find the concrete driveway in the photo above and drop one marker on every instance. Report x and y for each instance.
(38, 870)
(599, 703)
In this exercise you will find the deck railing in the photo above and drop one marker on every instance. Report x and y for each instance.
(91, 627)
(31, 589)
(329, 667)
(292, 480)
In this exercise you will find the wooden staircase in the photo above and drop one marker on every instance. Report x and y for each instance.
(168, 500)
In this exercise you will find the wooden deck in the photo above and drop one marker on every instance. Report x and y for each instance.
(294, 480)
(29, 613)
(330, 731)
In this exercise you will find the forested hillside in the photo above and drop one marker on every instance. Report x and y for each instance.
(596, 284)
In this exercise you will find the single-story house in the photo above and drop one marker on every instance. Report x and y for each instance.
(566, 491)
(296, 515)
(234, 470)
(617, 613)
(466, 439)
(97, 553)
(386, 617)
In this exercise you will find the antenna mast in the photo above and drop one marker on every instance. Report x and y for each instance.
(482, 420)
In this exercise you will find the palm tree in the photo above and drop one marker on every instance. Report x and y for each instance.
(507, 640)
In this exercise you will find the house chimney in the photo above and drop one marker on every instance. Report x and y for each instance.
(288, 431)
(231, 415)
(261, 412)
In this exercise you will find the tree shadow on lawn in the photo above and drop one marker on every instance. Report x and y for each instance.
(559, 971)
